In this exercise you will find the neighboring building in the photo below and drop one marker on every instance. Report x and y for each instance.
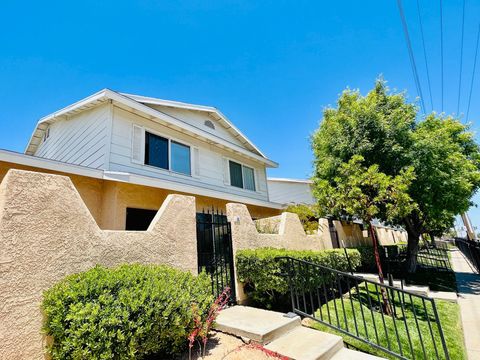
(290, 191)
(126, 153)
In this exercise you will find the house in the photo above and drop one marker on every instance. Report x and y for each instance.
(290, 191)
(125, 153)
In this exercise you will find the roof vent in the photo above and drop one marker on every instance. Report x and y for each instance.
(209, 124)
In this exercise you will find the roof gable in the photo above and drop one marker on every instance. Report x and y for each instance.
(171, 112)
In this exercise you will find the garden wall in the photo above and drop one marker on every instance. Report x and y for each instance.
(288, 234)
(47, 232)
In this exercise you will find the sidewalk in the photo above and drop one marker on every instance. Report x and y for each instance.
(468, 283)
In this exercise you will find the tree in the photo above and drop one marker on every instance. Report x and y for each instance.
(439, 153)
(365, 193)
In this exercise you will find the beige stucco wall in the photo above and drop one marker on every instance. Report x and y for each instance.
(108, 200)
(290, 235)
(47, 232)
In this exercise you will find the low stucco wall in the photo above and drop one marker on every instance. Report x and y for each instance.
(389, 236)
(47, 232)
(290, 235)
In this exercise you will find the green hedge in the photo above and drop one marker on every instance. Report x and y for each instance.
(126, 312)
(259, 270)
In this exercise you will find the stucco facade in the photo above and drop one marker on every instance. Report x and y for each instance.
(108, 200)
(47, 232)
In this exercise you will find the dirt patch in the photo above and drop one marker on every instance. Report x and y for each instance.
(226, 347)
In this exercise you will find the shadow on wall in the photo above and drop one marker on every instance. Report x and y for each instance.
(47, 232)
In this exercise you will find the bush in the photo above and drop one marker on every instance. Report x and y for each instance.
(259, 270)
(126, 312)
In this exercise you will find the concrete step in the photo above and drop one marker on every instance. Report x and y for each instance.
(306, 344)
(347, 354)
(416, 289)
(258, 325)
(443, 295)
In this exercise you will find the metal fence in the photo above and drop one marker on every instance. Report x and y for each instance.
(215, 251)
(396, 322)
(471, 249)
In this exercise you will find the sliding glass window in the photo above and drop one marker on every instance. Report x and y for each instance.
(248, 178)
(236, 178)
(180, 158)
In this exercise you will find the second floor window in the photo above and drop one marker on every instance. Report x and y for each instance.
(167, 154)
(156, 151)
(242, 176)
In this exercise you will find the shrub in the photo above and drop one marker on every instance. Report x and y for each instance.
(126, 312)
(259, 270)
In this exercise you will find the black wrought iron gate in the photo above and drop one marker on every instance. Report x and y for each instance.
(215, 253)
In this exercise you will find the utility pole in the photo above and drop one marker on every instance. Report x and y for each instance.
(468, 226)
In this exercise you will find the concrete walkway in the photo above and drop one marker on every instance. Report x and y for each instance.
(468, 284)
(284, 334)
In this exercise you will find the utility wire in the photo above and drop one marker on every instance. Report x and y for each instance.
(410, 54)
(461, 60)
(473, 74)
(441, 45)
(425, 53)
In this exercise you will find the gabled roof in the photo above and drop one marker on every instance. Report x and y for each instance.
(140, 104)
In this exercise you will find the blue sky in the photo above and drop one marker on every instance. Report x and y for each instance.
(270, 66)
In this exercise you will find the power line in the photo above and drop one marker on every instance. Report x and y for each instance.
(410, 54)
(473, 74)
(441, 45)
(425, 53)
(461, 59)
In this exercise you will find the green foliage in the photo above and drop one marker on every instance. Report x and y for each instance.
(365, 192)
(126, 312)
(259, 270)
(437, 157)
(308, 215)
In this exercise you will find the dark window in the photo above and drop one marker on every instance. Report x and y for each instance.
(156, 151)
(236, 178)
(139, 219)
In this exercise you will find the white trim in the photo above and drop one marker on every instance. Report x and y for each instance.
(152, 114)
(109, 135)
(38, 162)
(290, 180)
(41, 163)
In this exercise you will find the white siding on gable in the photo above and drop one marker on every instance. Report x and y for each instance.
(289, 192)
(197, 119)
(81, 139)
(207, 160)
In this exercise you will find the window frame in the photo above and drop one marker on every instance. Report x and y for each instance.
(243, 166)
(170, 140)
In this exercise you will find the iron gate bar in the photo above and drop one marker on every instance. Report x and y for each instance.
(306, 279)
(215, 251)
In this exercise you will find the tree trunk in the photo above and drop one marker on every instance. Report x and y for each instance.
(412, 250)
(432, 239)
(375, 251)
(386, 305)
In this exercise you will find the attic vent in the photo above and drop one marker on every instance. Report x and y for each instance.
(209, 124)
